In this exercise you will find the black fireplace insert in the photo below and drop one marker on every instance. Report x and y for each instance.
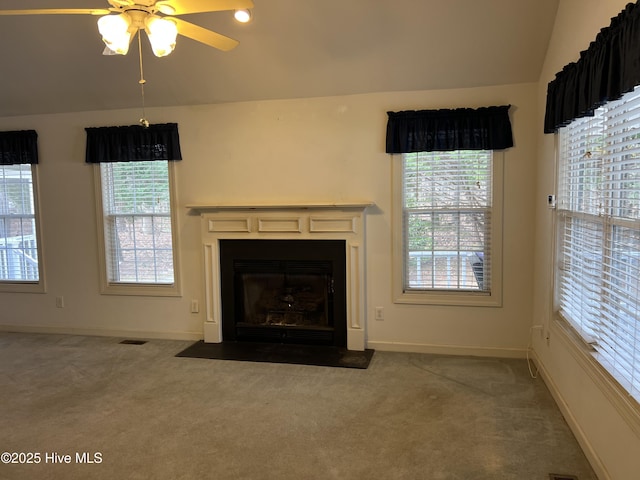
(284, 291)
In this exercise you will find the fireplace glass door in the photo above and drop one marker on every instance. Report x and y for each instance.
(276, 292)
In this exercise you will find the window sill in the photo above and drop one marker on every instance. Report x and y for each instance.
(22, 287)
(461, 299)
(141, 290)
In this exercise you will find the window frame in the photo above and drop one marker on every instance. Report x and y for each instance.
(31, 286)
(584, 346)
(448, 297)
(138, 289)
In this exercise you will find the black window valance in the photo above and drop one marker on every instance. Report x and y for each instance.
(133, 143)
(485, 128)
(608, 69)
(18, 147)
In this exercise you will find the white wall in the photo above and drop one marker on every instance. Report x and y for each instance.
(603, 423)
(333, 149)
(319, 149)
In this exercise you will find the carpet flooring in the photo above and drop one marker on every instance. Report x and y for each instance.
(93, 408)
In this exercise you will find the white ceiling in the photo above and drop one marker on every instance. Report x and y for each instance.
(292, 49)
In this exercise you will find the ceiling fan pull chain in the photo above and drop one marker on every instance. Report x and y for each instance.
(143, 121)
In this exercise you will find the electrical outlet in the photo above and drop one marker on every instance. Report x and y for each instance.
(540, 328)
(60, 302)
(380, 313)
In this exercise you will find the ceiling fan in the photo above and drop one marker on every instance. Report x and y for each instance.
(120, 22)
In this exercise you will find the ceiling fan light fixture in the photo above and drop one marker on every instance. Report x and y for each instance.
(162, 34)
(115, 32)
(242, 15)
(166, 8)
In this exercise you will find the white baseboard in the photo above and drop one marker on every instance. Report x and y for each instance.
(575, 427)
(102, 332)
(448, 349)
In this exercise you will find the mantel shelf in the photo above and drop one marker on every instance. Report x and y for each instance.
(287, 206)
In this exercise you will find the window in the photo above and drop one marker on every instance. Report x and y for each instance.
(598, 267)
(448, 227)
(447, 205)
(137, 227)
(20, 264)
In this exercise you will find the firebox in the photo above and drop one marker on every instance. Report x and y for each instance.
(285, 291)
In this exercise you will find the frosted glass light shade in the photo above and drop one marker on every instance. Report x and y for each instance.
(115, 32)
(162, 34)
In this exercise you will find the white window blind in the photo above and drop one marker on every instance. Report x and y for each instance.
(137, 222)
(447, 206)
(18, 239)
(599, 235)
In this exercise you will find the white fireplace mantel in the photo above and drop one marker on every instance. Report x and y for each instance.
(304, 221)
(203, 208)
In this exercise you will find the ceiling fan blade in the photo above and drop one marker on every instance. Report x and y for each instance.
(58, 11)
(205, 36)
(182, 7)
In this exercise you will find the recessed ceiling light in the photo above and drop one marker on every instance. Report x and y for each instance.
(242, 16)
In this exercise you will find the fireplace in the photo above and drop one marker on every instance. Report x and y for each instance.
(285, 291)
(308, 302)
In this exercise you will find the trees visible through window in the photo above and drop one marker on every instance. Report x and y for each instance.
(447, 208)
(138, 236)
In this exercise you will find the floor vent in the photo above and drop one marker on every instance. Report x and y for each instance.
(133, 342)
(556, 476)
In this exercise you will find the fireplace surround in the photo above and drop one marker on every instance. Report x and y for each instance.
(318, 222)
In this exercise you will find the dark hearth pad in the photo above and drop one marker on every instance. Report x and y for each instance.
(280, 353)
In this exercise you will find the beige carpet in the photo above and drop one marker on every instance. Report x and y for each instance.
(145, 414)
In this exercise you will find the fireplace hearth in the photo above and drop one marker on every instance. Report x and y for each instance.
(284, 291)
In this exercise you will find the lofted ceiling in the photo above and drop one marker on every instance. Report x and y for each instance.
(291, 49)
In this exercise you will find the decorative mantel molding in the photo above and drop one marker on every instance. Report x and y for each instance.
(285, 206)
(330, 221)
